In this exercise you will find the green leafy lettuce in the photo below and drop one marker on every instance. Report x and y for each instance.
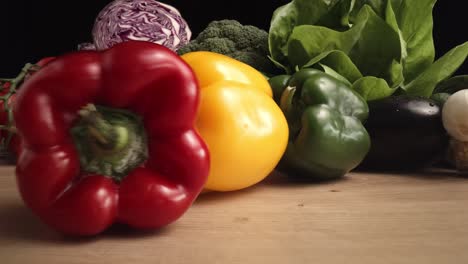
(379, 46)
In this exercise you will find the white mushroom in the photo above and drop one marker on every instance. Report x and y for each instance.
(455, 115)
(455, 120)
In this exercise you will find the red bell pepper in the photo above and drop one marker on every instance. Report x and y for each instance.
(108, 136)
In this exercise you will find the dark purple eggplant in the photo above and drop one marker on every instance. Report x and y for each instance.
(406, 133)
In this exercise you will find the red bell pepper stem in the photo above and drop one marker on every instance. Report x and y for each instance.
(97, 127)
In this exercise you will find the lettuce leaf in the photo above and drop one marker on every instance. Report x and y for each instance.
(381, 45)
(440, 70)
(328, 13)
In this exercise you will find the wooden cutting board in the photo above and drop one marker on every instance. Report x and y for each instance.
(363, 218)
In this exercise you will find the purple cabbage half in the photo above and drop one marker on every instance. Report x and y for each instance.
(144, 20)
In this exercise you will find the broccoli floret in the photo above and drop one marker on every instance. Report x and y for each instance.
(215, 44)
(245, 43)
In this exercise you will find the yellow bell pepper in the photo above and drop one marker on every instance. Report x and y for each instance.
(245, 130)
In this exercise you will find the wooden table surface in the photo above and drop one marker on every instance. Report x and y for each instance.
(363, 218)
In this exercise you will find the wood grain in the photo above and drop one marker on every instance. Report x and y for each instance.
(363, 218)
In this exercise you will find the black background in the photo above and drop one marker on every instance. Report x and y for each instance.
(32, 29)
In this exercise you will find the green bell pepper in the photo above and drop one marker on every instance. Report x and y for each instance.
(325, 117)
